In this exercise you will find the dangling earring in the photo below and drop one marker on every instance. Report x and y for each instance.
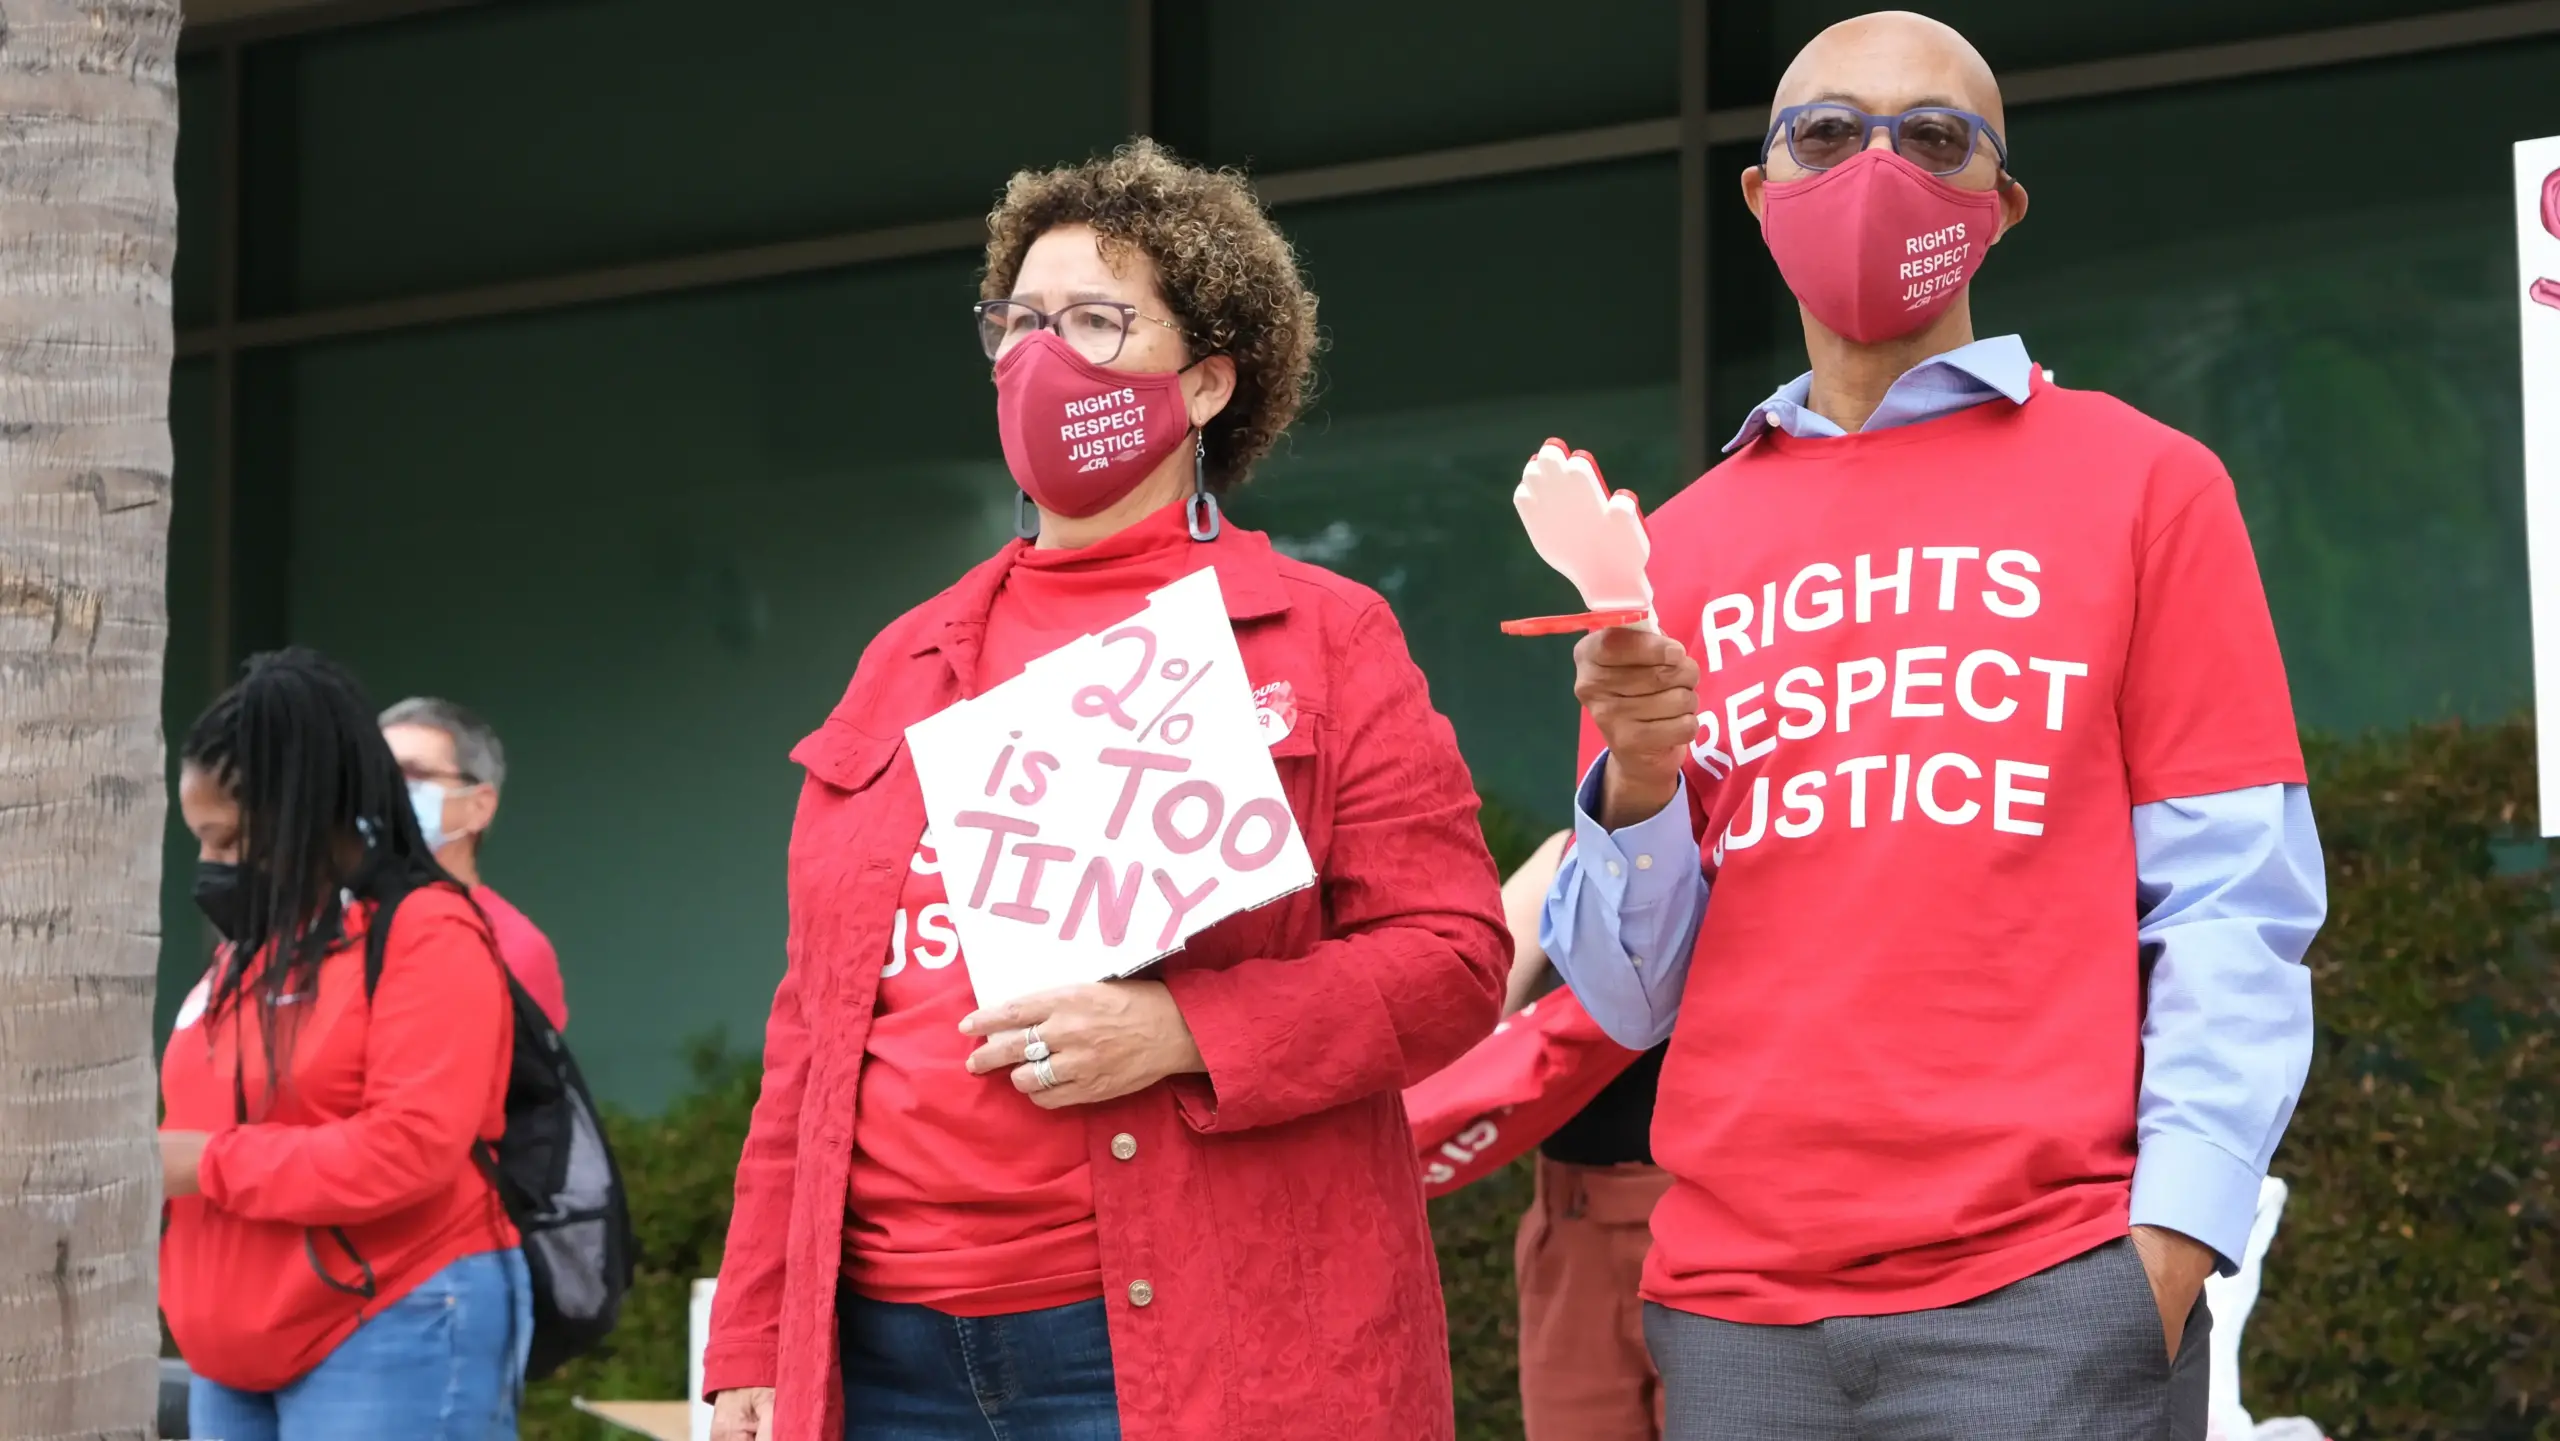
(1026, 516)
(1202, 509)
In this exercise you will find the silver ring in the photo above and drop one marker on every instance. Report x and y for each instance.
(1033, 1048)
(1040, 1072)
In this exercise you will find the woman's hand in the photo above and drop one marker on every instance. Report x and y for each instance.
(741, 1413)
(181, 1155)
(1105, 1041)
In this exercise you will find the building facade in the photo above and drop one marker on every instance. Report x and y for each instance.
(605, 364)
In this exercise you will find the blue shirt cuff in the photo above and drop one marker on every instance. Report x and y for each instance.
(2189, 1185)
(1641, 867)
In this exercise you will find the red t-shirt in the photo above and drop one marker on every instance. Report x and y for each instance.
(528, 953)
(1939, 666)
(965, 1196)
(360, 1162)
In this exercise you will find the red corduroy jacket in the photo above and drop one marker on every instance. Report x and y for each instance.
(1266, 1259)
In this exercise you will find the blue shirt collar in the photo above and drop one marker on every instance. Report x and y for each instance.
(1938, 386)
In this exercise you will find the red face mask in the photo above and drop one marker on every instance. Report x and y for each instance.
(1876, 246)
(1079, 437)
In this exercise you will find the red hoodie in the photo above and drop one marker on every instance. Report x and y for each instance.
(361, 1160)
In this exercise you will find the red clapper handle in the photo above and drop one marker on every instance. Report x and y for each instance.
(1568, 624)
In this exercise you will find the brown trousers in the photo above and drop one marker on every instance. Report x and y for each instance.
(1584, 1372)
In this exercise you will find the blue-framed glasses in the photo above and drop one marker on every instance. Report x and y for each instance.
(1936, 138)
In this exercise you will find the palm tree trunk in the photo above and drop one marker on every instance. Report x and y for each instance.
(88, 230)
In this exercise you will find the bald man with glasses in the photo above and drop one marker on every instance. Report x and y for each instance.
(1953, 832)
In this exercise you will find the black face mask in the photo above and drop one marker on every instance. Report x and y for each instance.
(222, 897)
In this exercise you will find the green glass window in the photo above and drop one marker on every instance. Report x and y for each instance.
(1318, 82)
(649, 542)
(1467, 325)
(188, 674)
(506, 141)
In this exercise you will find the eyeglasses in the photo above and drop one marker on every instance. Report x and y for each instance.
(1096, 328)
(1933, 137)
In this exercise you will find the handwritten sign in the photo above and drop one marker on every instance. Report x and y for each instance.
(1109, 803)
(2538, 299)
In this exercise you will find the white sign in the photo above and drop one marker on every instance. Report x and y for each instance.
(700, 1328)
(1110, 802)
(2538, 297)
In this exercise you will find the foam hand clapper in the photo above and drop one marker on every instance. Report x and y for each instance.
(1593, 537)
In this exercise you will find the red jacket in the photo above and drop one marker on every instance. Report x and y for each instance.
(369, 1140)
(1273, 1207)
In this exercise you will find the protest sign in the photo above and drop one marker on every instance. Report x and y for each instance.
(1110, 802)
(2538, 298)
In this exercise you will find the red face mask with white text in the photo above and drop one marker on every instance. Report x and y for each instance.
(1876, 246)
(1077, 436)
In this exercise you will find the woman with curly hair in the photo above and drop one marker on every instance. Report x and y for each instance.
(1177, 1208)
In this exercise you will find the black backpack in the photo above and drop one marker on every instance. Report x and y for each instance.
(554, 1171)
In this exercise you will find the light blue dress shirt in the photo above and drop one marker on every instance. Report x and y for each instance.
(2229, 889)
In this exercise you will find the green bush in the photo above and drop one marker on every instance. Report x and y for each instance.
(1474, 1229)
(2414, 1292)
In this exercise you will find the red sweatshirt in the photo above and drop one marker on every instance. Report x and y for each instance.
(1940, 665)
(368, 1139)
(528, 953)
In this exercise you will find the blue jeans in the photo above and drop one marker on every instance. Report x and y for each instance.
(912, 1373)
(443, 1363)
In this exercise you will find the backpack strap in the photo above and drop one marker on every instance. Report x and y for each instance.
(377, 944)
(377, 940)
(377, 936)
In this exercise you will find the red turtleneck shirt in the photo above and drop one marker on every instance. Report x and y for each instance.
(965, 1196)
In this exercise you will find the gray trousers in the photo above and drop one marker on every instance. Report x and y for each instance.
(2069, 1354)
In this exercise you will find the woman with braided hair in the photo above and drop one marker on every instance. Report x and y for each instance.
(335, 1264)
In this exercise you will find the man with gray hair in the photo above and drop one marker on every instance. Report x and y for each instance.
(456, 767)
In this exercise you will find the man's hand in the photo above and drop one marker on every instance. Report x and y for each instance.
(181, 1158)
(1105, 1041)
(2177, 1266)
(742, 1413)
(1642, 692)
